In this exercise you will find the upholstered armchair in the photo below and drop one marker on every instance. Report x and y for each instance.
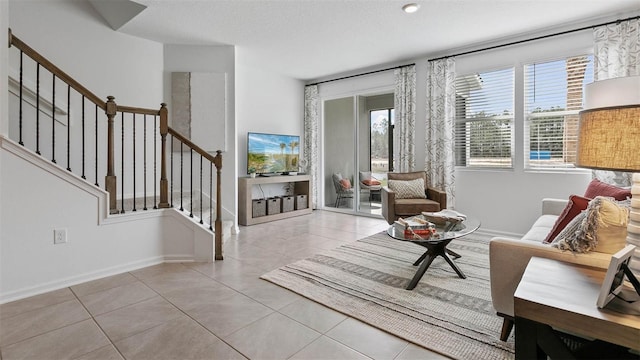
(402, 198)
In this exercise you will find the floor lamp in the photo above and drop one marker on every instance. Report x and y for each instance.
(609, 139)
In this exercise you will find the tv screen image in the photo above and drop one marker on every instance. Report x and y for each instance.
(272, 153)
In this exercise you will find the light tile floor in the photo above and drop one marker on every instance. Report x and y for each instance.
(219, 310)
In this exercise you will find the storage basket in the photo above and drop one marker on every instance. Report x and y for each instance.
(273, 206)
(259, 208)
(287, 203)
(301, 202)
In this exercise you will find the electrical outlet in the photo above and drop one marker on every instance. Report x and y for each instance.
(59, 236)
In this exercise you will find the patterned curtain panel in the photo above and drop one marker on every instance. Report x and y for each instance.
(616, 54)
(440, 127)
(617, 50)
(310, 156)
(405, 119)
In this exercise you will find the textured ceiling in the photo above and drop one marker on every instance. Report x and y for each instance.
(313, 39)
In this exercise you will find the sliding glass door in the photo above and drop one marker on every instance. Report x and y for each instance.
(358, 148)
(339, 159)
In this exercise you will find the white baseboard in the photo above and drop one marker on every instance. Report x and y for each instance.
(78, 279)
(492, 232)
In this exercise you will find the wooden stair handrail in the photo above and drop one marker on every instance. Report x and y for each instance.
(196, 148)
(137, 110)
(13, 40)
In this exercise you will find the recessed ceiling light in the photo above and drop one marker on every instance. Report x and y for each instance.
(411, 8)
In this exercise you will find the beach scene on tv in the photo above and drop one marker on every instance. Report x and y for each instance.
(272, 153)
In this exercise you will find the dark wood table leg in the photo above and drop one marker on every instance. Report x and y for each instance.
(420, 258)
(454, 266)
(453, 253)
(527, 340)
(421, 270)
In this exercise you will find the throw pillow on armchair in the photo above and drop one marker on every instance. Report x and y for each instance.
(408, 189)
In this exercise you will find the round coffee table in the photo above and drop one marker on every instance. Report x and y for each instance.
(437, 246)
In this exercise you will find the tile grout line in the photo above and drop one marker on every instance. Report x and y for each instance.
(49, 331)
(97, 324)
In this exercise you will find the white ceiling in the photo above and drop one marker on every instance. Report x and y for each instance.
(315, 39)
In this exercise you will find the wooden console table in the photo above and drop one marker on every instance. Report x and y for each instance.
(562, 296)
(301, 186)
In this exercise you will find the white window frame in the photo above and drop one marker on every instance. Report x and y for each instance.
(466, 120)
(549, 159)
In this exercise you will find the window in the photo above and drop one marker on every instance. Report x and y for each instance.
(553, 97)
(484, 119)
(381, 151)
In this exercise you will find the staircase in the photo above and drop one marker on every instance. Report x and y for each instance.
(129, 152)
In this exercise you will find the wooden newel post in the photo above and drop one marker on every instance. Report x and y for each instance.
(218, 224)
(164, 183)
(111, 180)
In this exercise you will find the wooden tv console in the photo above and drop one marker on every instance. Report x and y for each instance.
(301, 186)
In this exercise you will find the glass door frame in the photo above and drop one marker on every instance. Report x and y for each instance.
(356, 95)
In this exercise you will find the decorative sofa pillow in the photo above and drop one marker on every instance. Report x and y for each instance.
(575, 205)
(408, 189)
(603, 229)
(345, 183)
(599, 188)
(572, 227)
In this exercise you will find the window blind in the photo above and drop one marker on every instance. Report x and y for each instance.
(554, 93)
(484, 119)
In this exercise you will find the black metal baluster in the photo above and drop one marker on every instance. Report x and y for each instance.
(96, 163)
(68, 127)
(38, 109)
(83, 140)
(201, 189)
(171, 162)
(144, 158)
(122, 164)
(210, 196)
(191, 183)
(20, 116)
(155, 150)
(181, 175)
(53, 120)
(133, 125)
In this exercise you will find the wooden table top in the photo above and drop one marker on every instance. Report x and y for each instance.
(564, 296)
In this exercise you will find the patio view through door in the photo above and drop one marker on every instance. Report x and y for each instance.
(358, 151)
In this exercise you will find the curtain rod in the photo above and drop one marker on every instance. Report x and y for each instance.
(535, 38)
(356, 75)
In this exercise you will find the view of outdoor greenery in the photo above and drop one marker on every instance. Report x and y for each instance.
(490, 137)
(380, 139)
(484, 119)
(546, 132)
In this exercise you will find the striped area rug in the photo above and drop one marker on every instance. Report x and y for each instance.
(444, 313)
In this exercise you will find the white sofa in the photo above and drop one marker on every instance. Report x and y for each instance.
(508, 259)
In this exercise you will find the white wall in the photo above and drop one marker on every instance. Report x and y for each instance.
(211, 59)
(265, 102)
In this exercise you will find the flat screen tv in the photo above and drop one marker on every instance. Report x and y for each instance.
(272, 153)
